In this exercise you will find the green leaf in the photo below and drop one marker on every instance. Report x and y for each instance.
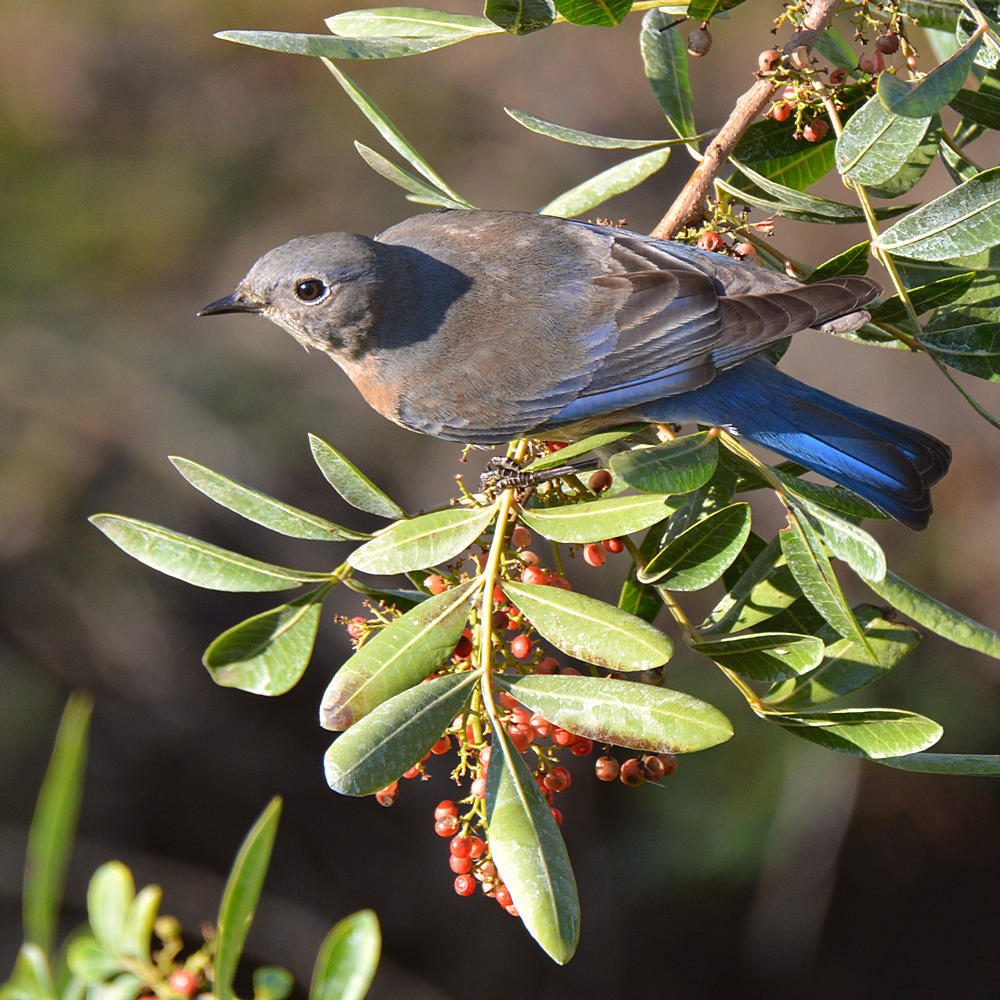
(932, 92)
(799, 170)
(967, 28)
(271, 982)
(764, 656)
(872, 733)
(585, 445)
(268, 653)
(109, 896)
(50, 838)
(529, 852)
(402, 178)
(598, 189)
(876, 144)
(979, 765)
(935, 616)
(978, 106)
(966, 342)
(642, 599)
(520, 16)
(666, 62)
(624, 713)
(397, 657)
(391, 738)
(852, 261)
(798, 205)
(562, 133)
(916, 165)
(768, 140)
(347, 958)
(589, 629)
(261, 508)
(962, 221)
(125, 986)
(240, 896)
(597, 13)
(699, 555)
(678, 466)
(90, 962)
(352, 484)
(834, 498)
(336, 46)
(595, 520)
(195, 561)
(833, 46)
(703, 10)
(812, 571)
(924, 297)
(407, 22)
(423, 541)
(139, 923)
(845, 540)
(398, 141)
(31, 977)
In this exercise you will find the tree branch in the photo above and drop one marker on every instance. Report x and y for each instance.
(687, 206)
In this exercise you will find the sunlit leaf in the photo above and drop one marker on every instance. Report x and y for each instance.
(924, 297)
(916, 165)
(347, 959)
(876, 144)
(109, 897)
(562, 133)
(597, 13)
(338, 47)
(764, 656)
(976, 764)
(139, 923)
(666, 62)
(595, 520)
(585, 445)
(407, 22)
(395, 735)
(678, 466)
(845, 540)
(852, 261)
(402, 178)
(520, 16)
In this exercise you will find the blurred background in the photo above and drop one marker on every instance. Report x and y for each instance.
(145, 165)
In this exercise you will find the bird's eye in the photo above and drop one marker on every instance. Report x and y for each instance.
(310, 289)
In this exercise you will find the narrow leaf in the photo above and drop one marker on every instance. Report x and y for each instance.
(595, 13)
(195, 561)
(594, 520)
(585, 445)
(598, 189)
(924, 297)
(764, 656)
(529, 853)
(699, 555)
(589, 629)
(562, 133)
(520, 16)
(240, 896)
(962, 221)
(352, 484)
(375, 751)
(967, 342)
(852, 261)
(50, 838)
(261, 508)
(268, 653)
(423, 541)
(978, 765)
(402, 178)
(934, 91)
(845, 540)
(338, 47)
(935, 616)
(678, 466)
(832, 498)
(799, 170)
(397, 657)
(872, 733)
(407, 22)
(978, 106)
(347, 959)
(876, 144)
(666, 62)
(623, 713)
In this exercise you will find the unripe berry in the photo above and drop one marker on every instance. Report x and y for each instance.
(631, 772)
(521, 646)
(781, 112)
(436, 583)
(387, 796)
(183, 983)
(599, 481)
(887, 43)
(465, 885)
(594, 554)
(711, 241)
(699, 42)
(768, 60)
(606, 768)
(815, 131)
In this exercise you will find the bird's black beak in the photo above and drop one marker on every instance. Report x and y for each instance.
(235, 303)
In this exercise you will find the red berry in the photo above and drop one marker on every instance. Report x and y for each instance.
(436, 583)
(520, 537)
(669, 764)
(446, 826)
(478, 788)
(613, 545)
(503, 896)
(476, 847)
(768, 60)
(789, 94)
(561, 738)
(520, 716)
(445, 808)
(460, 866)
(356, 627)
(521, 646)
(532, 574)
(582, 747)
(558, 779)
(711, 241)
(594, 554)
(465, 885)
(746, 250)
(557, 816)
(508, 700)
(569, 672)
(512, 910)
(460, 846)
(815, 131)
(631, 772)
(413, 772)
(183, 983)
(781, 112)
(838, 76)
(540, 724)
(606, 768)
(443, 745)
(521, 736)
(387, 796)
(547, 665)
(555, 580)
(599, 481)
(487, 871)
(498, 595)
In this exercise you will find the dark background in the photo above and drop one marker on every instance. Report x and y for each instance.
(144, 166)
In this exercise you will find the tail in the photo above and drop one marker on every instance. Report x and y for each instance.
(888, 463)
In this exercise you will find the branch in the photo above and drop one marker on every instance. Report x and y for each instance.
(688, 204)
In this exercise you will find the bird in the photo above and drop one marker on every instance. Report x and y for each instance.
(482, 326)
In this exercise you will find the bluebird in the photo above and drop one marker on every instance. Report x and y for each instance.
(482, 326)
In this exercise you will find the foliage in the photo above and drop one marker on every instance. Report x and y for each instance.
(458, 656)
(128, 949)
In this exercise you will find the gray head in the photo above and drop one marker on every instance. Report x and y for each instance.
(318, 288)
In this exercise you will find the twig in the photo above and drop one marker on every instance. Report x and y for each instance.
(688, 204)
